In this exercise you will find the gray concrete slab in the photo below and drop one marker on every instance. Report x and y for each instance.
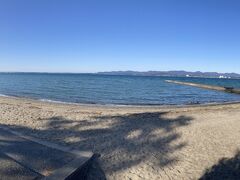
(27, 158)
(40, 158)
(11, 170)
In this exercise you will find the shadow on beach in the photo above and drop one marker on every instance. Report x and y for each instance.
(226, 169)
(124, 141)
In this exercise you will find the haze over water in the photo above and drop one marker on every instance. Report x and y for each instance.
(103, 89)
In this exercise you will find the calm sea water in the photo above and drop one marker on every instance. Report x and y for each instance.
(102, 89)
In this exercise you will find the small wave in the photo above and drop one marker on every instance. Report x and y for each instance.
(3, 95)
(52, 101)
(74, 103)
(58, 102)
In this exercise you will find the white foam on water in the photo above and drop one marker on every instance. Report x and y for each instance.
(52, 101)
(3, 95)
(57, 102)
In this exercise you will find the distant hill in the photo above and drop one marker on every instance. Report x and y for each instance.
(174, 73)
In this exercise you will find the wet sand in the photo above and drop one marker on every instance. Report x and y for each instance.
(148, 142)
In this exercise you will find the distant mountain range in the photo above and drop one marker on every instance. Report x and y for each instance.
(174, 73)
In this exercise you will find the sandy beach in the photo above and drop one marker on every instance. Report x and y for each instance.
(134, 142)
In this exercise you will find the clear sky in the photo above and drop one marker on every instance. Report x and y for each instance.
(99, 35)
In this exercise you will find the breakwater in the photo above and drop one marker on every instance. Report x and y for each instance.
(204, 86)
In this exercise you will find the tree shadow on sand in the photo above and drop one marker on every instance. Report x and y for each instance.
(124, 141)
(226, 169)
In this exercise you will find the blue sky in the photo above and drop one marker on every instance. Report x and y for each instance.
(94, 35)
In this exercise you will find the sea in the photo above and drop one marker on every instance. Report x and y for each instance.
(113, 89)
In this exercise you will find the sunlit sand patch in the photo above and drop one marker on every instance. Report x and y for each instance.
(134, 134)
(73, 139)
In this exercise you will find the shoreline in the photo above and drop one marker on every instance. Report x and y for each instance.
(119, 105)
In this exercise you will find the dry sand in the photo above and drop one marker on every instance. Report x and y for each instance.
(134, 142)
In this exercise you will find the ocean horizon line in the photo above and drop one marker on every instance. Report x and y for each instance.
(110, 74)
(110, 71)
